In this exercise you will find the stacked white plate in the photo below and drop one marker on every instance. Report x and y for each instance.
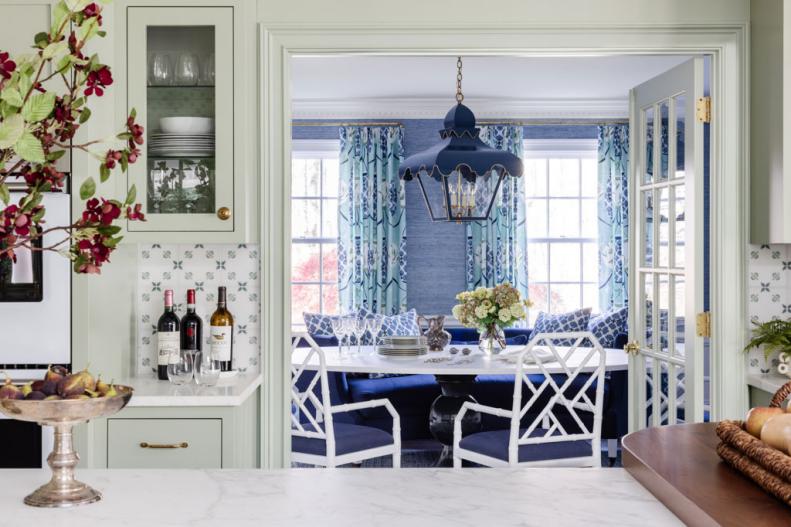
(400, 347)
(181, 145)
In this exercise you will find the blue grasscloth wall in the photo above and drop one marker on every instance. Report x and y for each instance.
(435, 251)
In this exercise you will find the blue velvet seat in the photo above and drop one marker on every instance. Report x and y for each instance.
(495, 444)
(348, 438)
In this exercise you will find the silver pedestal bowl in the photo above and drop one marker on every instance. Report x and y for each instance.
(63, 490)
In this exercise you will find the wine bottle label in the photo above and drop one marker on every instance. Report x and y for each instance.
(221, 342)
(168, 347)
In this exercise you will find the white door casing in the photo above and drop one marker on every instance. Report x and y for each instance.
(666, 284)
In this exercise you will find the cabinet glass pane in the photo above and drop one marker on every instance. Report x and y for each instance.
(180, 102)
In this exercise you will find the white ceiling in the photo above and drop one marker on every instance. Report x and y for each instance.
(339, 86)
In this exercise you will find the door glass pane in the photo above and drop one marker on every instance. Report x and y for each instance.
(648, 294)
(648, 119)
(664, 299)
(564, 177)
(648, 227)
(664, 147)
(664, 227)
(565, 214)
(680, 227)
(649, 390)
(680, 298)
(681, 102)
(564, 262)
(180, 120)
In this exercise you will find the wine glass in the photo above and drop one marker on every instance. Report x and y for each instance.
(374, 327)
(161, 73)
(187, 70)
(180, 367)
(207, 369)
(338, 330)
(348, 329)
(358, 328)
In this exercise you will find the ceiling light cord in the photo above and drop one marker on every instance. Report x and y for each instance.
(459, 95)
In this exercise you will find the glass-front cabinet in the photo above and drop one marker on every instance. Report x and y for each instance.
(180, 80)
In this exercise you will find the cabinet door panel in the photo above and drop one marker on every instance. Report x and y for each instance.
(164, 443)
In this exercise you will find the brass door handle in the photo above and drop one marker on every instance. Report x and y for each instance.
(224, 213)
(632, 348)
(159, 445)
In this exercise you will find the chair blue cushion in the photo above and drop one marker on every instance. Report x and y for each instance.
(562, 323)
(495, 444)
(519, 340)
(348, 438)
(607, 326)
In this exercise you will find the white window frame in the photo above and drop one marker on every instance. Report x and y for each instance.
(562, 149)
(312, 149)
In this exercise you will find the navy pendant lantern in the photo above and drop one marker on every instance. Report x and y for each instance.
(460, 176)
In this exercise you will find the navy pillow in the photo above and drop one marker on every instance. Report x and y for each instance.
(562, 323)
(607, 326)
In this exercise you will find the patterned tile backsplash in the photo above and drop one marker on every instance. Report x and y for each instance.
(203, 268)
(768, 289)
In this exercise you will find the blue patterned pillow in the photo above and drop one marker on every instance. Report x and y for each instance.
(607, 326)
(320, 325)
(562, 323)
(403, 324)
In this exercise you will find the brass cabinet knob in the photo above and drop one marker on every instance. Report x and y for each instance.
(224, 213)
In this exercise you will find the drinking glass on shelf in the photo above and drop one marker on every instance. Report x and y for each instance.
(207, 71)
(187, 70)
(180, 368)
(161, 70)
(207, 369)
(358, 327)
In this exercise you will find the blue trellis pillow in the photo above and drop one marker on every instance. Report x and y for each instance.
(320, 325)
(562, 323)
(403, 324)
(607, 326)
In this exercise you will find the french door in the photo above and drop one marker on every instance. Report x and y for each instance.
(666, 382)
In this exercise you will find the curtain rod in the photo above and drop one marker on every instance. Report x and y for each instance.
(347, 123)
(549, 122)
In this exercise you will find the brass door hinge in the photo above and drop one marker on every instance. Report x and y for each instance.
(703, 109)
(703, 324)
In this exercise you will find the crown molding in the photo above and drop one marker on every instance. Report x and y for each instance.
(437, 107)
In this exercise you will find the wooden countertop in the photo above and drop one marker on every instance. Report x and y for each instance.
(680, 466)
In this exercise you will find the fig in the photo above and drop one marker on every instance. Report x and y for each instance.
(55, 373)
(76, 384)
(48, 387)
(27, 389)
(36, 396)
(9, 391)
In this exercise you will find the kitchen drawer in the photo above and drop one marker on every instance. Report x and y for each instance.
(184, 443)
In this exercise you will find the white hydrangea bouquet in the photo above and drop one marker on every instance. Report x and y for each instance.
(490, 310)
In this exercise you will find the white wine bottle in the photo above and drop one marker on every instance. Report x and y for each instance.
(222, 332)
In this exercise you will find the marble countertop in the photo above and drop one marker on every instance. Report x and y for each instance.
(149, 391)
(345, 498)
(769, 383)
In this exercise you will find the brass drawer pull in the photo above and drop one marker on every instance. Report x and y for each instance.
(156, 445)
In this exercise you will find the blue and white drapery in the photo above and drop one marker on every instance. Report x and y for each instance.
(613, 216)
(497, 248)
(371, 221)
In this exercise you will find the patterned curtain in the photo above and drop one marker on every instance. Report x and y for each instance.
(497, 248)
(371, 221)
(613, 216)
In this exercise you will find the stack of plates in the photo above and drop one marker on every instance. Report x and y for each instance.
(181, 145)
(402, 346)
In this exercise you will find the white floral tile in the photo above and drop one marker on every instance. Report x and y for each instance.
(203, 268)
(768, 290)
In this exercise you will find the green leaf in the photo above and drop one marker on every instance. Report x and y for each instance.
(11, 130)
(87, 189)
(59, 13)
(4, 194)
(124, 161)
(12, 97)
(28, 147)
(77, 5)
(38, 107)
(54, 49)
(133, 113)
(85, 114)
(131, 195)
(39, 215)
(55, 155)
(104, 173)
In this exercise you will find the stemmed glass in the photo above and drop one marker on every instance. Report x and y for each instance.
(359, 326)
(338, 330)
(374, 327)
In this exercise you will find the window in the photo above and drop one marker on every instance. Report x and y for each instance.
(561, 180)
(314, 228)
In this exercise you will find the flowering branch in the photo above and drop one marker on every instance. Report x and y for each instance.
(38, 126)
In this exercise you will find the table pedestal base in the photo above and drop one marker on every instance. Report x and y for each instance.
(455, 391)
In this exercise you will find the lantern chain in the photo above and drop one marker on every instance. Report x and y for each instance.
(459, 95)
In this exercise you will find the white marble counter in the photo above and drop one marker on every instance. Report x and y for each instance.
(346, 498)
(149, 391)
(768, 383)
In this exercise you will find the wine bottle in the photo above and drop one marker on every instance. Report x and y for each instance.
(191, 326)
(222, 332)
(167, 337)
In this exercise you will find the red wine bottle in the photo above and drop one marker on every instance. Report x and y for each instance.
(167, 337)
(191, 326)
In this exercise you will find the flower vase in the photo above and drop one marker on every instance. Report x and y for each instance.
(492, 340)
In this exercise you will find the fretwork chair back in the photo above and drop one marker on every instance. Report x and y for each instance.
(566, 430)
(316, 439)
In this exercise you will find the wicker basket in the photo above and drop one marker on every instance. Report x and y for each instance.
(768, 467)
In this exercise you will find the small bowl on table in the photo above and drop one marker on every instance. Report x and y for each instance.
(186, 125)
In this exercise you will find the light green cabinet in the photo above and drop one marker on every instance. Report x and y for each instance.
(187, 78)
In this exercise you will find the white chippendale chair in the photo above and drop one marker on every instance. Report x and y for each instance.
(316, 439)
(543, 439)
